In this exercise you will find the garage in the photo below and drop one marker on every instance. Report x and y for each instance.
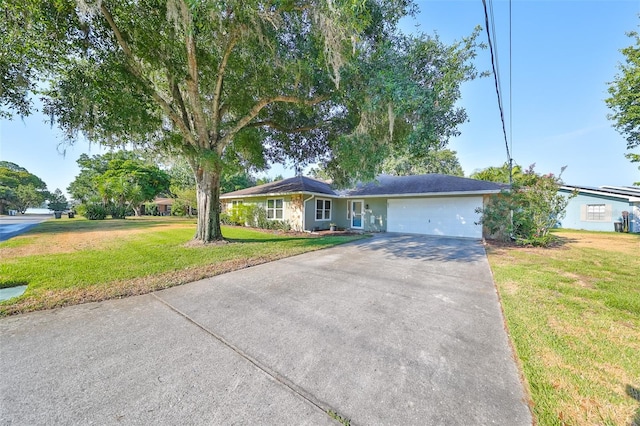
(446, 216)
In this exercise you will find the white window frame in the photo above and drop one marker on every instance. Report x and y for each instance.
(275, 209)
(323, 210)
(596, 212)
(596, 216)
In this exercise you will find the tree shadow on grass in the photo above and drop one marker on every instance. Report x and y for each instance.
(262, 240)
(70, 226)
(312, 240)
(634, 393)
(558, 243)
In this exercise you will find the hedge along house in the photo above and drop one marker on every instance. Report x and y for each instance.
(600, 209)
(431, 204)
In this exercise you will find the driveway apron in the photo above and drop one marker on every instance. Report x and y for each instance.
(394, 329)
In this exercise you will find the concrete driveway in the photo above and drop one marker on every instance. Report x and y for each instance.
(389, 330)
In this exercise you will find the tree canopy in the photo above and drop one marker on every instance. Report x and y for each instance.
(501, 174)
(240, 82)
(625, 98)
(57, 201)
(443, 161)
(121, 178)
(20, 189)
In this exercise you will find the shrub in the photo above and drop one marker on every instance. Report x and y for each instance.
(178, 208)
(225, 219)
(253, 216)
(151, 209)
(240, 214)
(94, 211)
(118, 212)
(529, 211)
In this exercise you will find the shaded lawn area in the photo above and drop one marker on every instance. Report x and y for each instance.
(71, 261)
(573, 313)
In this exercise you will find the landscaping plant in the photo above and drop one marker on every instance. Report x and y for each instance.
(528, 210)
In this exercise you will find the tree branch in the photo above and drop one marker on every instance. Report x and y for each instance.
(136, 70)
(217, 94)
(177, 95)
(281, 128)
(200, 123)
(253, 112)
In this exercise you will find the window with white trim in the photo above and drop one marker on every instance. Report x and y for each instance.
(596, 212)
(275, 208)
(323, 209)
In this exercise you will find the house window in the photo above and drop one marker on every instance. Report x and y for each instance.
(596, 212)
(275, 208)
(323, 209)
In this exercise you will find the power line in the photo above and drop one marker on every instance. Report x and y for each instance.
(510, 96)
(496, 78)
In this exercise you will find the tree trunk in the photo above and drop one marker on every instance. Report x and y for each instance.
(208, 198)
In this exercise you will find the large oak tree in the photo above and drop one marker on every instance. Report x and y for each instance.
(237, 81)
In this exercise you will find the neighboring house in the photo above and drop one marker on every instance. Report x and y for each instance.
(163, 204)
(598, 209)
(431, 204)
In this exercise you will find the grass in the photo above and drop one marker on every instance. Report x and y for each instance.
(573, 313)
(71, 261)
(337, 417)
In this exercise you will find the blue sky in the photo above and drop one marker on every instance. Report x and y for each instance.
(563, 53)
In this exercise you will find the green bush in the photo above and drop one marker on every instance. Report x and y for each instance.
(118, 212)
(253, 216)
(151, 209)
(93, 211)
(528, 211)
(537, 241)
(225, 219)
(81, 209)
(256, 216)
(239, 215)
(180, 207)
(277, 225)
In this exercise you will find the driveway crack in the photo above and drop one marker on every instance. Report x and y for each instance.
(297, 390)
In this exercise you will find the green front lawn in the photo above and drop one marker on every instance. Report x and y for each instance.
(72, 261)
(573, 313)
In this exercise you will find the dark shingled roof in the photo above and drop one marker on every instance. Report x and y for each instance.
(292, 185)
(421, 184)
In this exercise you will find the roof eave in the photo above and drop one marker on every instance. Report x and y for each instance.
(278, 194)
(601, 193)
(425, 194)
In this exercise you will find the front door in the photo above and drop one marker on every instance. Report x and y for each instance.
(357, 214)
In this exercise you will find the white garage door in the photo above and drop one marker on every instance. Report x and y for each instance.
(453, 217)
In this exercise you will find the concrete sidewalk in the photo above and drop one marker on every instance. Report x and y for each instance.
(389, 330)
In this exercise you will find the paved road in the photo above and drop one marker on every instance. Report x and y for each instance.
(11, 226)
(390, 330)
